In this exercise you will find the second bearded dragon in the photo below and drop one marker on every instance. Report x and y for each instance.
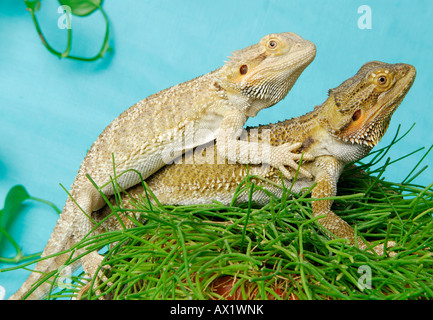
(341, 130)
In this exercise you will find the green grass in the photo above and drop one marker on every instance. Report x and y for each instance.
(277, 251)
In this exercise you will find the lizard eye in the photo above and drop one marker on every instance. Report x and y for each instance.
(272, 44)
(243, 69)
(382, 80)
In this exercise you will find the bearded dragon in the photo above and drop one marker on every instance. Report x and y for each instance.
(159, 128)
(342, 130)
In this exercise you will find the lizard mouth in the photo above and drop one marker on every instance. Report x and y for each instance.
(368, 127)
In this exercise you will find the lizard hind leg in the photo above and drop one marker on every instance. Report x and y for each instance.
(337, 227)
(92, 265)
(61, 239)
(89, 200)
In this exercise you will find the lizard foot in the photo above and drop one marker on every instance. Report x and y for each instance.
(379, 249)
(283, 156)
(91, 263)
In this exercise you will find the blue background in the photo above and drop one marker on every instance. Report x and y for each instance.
(51, 110)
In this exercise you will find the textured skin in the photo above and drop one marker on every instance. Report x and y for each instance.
(158, 129)
(334, 133)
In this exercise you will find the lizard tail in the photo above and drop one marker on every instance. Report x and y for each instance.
(61, 239)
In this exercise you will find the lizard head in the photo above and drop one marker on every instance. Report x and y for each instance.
(362, 106)
(266, 71)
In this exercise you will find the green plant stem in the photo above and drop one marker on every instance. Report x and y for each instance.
(65, 54)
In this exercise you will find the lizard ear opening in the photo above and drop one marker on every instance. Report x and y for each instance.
(243, 69)
(357, 115)
(358, 121)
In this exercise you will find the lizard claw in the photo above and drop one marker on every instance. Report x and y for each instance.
(91, 263)
(283, 156)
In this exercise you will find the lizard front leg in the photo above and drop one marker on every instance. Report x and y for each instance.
(247, 152)
(329, 172)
